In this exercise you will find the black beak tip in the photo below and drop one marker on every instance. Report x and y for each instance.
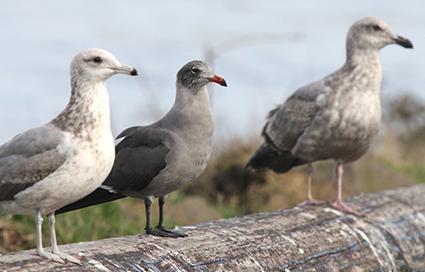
(134, 72)
(409, 45)
(224, 83)
(406, 43)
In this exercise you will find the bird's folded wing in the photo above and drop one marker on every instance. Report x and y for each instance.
(28, 158)
(288, 121)
(140, 156)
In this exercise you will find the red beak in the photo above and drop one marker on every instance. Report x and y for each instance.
(218, 80)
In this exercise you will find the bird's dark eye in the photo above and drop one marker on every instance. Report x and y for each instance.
(195, 70)
(377, 28)
(97, 60)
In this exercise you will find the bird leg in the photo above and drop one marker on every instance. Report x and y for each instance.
(338, 203)
(39, 239)
(174, 234)
(54, 244)
(148, 203)
(310, 201)
(159, 230)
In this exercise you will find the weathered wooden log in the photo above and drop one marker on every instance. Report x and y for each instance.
(391, 237)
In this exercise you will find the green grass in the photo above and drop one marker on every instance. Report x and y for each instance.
(413, 170)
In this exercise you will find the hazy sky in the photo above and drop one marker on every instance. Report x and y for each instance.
(158, 37)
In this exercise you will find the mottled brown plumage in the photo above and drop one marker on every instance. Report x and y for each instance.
(333, 118)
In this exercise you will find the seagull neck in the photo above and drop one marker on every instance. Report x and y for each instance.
(365, 64)
(187, 97)
(87, 109)
(363, 57)
(192, 107)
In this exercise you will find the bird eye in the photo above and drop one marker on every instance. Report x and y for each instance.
(377, 28)
(97, 60)
(195, 70)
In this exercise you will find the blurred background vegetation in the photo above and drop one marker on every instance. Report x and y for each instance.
(226, 189)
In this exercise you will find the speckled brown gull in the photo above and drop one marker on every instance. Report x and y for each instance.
(333, 118)
(158, 159)
(46, 168)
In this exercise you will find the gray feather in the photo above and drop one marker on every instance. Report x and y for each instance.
(326, 119)
(29, 158)
(163, 157)
(288, 121)
(140, 156)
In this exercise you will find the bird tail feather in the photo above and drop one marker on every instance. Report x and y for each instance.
(99, 196)
(269, 157)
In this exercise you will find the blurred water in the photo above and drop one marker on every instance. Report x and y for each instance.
(39, 40)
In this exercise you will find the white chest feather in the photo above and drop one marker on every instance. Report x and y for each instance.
(88, 146)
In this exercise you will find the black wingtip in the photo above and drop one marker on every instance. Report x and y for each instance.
(268, 157)
(248, 166)
(126, 132)
(99, 196)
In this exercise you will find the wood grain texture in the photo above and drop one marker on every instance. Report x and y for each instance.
(391, 237)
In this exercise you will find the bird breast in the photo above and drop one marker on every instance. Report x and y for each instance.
(344, 130)
(191, 156)
(188, 157)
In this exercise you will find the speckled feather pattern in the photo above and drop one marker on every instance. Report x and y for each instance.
(51, 166)
(334, 118)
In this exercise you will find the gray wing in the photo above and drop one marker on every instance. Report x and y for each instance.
(140, 157)
(288, 121)
(29, 158)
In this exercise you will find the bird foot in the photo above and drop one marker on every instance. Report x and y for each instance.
(163, 232)
(66, 257)
(341, 206)
(50, 256)
(310, 202)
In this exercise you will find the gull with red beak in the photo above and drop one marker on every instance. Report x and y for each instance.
(155, 160)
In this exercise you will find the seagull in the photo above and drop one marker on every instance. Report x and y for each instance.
(155, 160)
(48, 167)
(333, 118)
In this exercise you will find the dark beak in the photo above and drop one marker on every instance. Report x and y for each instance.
(403, 42)
(134, 72)
(124, 69)
(218, 80)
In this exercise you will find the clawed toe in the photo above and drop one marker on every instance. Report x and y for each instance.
(67, 257)
(50, 256)
(163, 232)
(159, 230)
(176, 233)
(341, 206)
(310, 202)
